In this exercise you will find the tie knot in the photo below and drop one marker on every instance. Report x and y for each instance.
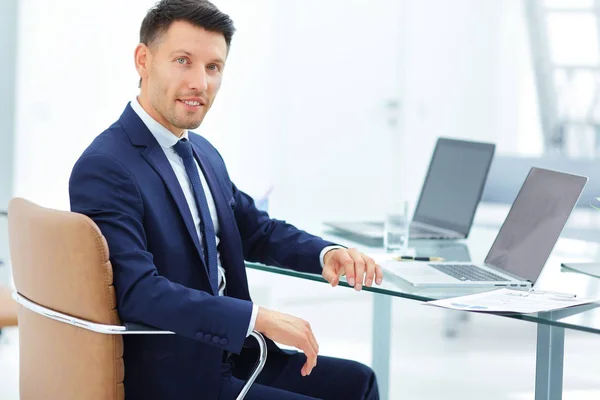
(184, 148)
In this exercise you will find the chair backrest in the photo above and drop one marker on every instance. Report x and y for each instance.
(8, 309)
(60, 260)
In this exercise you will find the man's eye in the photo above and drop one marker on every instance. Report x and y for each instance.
(214, 67)
(181, 60)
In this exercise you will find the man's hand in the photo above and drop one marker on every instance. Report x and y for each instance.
(291, 331)
(357, 267)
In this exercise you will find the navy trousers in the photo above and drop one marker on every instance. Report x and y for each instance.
(281, 379)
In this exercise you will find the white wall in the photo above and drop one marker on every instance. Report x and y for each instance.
(336, 68)
(76, 73)
(8, 47)
(303, 104)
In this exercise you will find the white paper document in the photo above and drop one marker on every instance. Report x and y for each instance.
(509, 300)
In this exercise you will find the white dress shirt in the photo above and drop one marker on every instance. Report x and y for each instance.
(166, 139)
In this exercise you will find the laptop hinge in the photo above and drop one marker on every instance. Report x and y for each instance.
(507, 273)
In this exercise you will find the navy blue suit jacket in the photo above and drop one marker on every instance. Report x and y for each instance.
(125, 184)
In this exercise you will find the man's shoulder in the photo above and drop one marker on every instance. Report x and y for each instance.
(207, 147)
(209, 151)
(201, 141)
(113, 142)
(110, 149)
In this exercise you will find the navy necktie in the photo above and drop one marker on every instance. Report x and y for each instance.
(184, 149)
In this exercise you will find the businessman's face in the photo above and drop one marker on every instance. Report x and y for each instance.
(181, 74)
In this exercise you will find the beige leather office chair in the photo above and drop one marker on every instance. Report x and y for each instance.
(70, 334)
(8, 309)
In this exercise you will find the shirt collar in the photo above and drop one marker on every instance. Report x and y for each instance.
(165, 138)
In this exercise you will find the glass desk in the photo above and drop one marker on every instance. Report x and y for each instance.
(550, 325)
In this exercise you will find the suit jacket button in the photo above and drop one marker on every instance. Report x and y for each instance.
(223, 342)
(199, 335)
(215, 339)
(207, 337)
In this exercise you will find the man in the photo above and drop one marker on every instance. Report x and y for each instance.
(179, 231)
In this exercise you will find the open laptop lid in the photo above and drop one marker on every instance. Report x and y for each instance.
(454, 184)
(535, 221)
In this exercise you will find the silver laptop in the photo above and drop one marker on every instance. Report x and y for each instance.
(523, 244)
(449, 197)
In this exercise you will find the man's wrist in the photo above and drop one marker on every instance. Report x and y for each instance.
(253, 317)
(327, 250)
(262, 317)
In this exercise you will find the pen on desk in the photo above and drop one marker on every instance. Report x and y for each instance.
(402, 258)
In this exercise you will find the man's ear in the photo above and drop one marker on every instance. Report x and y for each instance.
(141, 59)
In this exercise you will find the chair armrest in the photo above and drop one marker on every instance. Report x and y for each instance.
(132, 329)
(260, 363)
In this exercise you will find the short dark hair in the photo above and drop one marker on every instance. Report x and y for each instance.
(201, 13)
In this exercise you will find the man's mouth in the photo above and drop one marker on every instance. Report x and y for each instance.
(193, 103)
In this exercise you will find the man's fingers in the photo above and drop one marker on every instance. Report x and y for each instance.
(378, 274)
(348, 263)
(370, 270)
(359, 268)
(307, 343)
(313, 340)
(311, 357)
(330, 276)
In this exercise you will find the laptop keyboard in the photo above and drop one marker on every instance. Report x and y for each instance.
(467, 272)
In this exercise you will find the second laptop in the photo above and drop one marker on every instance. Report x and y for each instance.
(449, 197)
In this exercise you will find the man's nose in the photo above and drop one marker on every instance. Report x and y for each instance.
(199, 81)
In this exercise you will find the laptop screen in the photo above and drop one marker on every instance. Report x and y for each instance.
(535, 221)
(454, 184)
